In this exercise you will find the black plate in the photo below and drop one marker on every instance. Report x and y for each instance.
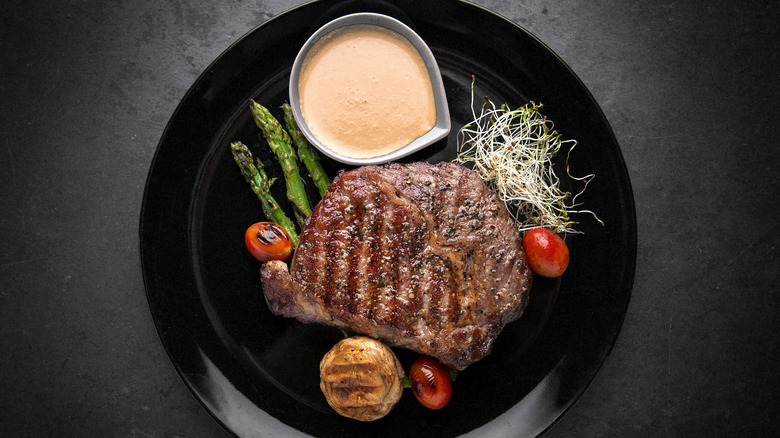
(257, 373)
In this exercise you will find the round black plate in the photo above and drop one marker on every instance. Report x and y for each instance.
(257, 373)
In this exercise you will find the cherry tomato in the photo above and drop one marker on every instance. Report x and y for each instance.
(546, 252)
(430, 382)
(268, 241)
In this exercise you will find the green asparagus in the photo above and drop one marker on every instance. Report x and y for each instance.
(279, 141)
(255, 175)
(306, 154)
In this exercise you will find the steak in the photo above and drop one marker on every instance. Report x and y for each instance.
(420, 256)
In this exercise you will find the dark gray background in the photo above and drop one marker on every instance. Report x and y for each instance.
(691, 90)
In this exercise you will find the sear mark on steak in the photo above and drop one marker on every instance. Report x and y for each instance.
(420, 256)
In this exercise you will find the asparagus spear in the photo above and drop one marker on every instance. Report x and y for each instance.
(306, 154)
(255, 175)
(279, 141)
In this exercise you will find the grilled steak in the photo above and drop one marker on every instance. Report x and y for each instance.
(420, 256)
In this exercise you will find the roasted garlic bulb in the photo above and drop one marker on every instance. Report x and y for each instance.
(361, 378)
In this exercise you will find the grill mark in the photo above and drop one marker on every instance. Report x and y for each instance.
(326, 244)
(403, 256)
(338, 298)
(425, 204)
(351, 368)
(395, 247)
(374, 264)
(468, 216)
(386, 289)
(444, 229)
(453, 303)
(355, 375)
(408, 238)
(351, 259)
(417, 302)
(403, 264)
(458, 290)
(424, 288)
(436, 221)
(348, 388)
(468, 290)
(472, 291)
(416, 273)
(309, 270)
(441, 293)
(326, 285)
(364, 243)
(446, 292)
(394, 301)
(297, 264)
(372, 306)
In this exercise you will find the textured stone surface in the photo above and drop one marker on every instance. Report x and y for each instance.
(691, 90)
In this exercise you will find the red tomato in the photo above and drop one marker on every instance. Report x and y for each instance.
(546, 252)
(430, 382)
(268, 241)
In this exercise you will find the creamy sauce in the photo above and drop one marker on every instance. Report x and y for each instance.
(365, 91)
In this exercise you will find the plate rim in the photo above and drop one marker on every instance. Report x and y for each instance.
(628, 192)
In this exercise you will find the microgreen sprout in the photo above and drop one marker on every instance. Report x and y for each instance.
(512, 151)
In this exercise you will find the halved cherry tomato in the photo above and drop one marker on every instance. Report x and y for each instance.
(546, 252)
(430, 382)
(268, 241)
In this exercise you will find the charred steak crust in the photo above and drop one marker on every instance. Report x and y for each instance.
(420, 256)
